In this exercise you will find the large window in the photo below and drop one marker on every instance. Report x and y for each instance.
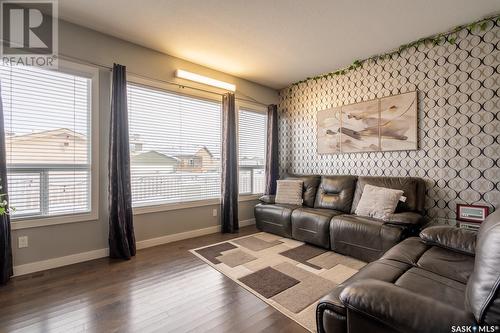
(48, 141)
(174, 146)
(252, 151)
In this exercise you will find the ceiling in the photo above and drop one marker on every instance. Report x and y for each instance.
(273, 42)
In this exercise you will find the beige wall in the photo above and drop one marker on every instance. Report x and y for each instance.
(72, 238)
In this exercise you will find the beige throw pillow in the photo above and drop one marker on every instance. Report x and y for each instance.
(378, 202)
(289, 191)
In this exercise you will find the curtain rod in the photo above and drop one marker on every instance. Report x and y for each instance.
(109, 68)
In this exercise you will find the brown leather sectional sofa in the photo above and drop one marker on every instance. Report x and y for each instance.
(446, 280)
(327, 219)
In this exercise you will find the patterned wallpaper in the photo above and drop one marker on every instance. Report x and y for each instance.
(458, 118)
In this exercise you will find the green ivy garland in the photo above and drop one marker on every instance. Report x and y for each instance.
(438, 39)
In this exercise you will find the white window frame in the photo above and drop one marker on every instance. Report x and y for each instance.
(156, 84)
(257, 108)
(215, 96)
(34, 221)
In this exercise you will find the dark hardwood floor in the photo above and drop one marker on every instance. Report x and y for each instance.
(162, 289)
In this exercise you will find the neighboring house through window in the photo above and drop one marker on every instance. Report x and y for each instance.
(48, 116)
(176, 146)
(252, 127)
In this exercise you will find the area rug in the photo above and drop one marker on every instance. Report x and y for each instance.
(289, 275)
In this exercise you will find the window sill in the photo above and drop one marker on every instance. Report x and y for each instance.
(249, 197)
(35, 222)
(174, 206)
(185, 205)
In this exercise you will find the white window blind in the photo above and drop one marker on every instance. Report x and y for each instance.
(174, 146)
(252, 151)
(47, 128)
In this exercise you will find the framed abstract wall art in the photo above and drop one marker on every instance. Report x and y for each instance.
(383, 124)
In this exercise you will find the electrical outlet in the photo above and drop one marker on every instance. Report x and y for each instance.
(22, 241)
(214, 212)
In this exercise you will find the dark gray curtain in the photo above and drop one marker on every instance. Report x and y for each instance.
(229, 200)
(121, 224)
(6, 270)
(272, 170)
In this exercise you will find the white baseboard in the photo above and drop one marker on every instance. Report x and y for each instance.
(176, 237)
(96, 254)
(60, 261)
(246, 223)
(185, 235)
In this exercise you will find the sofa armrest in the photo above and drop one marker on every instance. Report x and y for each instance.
(401, 309)
(457, 239)
(406, 218)
(268, 199)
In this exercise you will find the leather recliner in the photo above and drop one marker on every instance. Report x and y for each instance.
(368, 238)
(277, 218)
(327, 217)
(446, 277)
(333, 197)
